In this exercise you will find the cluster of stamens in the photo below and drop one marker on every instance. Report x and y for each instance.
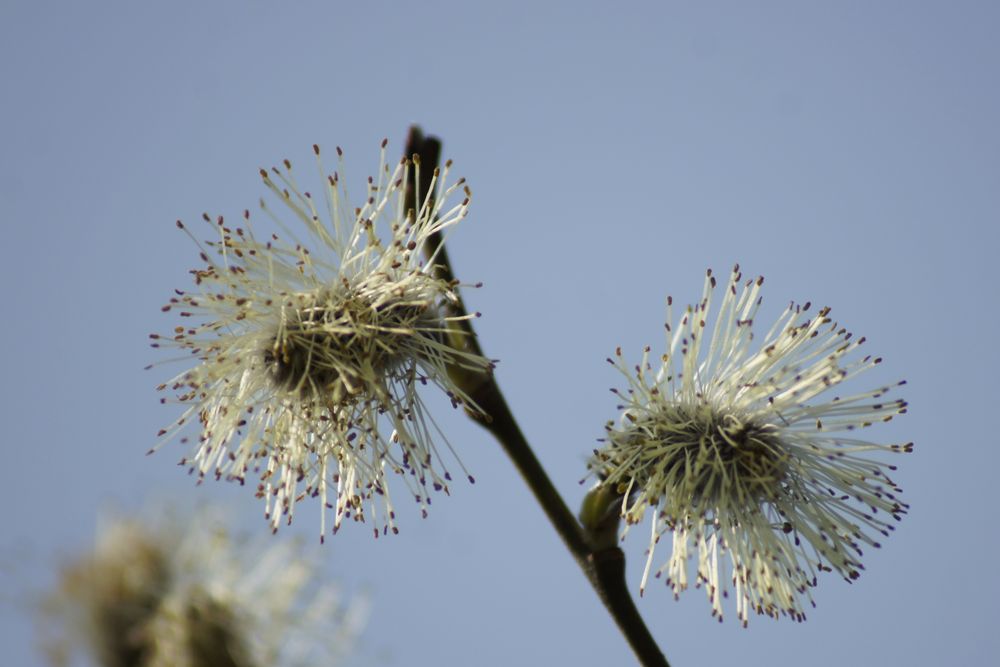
(309, 356)
(730, 447)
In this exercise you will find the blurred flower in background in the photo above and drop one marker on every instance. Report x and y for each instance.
(188, 594)
(735, 455)
(310, 352)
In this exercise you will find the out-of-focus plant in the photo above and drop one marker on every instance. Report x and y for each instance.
(156, 592)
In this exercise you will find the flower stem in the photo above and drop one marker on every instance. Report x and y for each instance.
(601, 560)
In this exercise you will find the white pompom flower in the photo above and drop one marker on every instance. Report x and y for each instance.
(158, 592)
(310, 351)
(729, 444)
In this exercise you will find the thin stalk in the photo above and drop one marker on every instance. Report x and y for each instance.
(602, 563)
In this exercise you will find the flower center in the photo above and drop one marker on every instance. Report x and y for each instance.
(706, 455)
(342, 344)
(715, 455)
(213, 632)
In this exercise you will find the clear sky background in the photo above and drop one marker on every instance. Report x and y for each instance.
(848, 151)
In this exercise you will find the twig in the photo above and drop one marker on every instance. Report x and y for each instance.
(602, 562)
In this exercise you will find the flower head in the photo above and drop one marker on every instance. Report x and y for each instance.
(154, 594)
(310, 352)
(732, 447)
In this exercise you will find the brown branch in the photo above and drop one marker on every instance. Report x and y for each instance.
(602, 563)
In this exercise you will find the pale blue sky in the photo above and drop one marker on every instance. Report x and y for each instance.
(848, 151)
